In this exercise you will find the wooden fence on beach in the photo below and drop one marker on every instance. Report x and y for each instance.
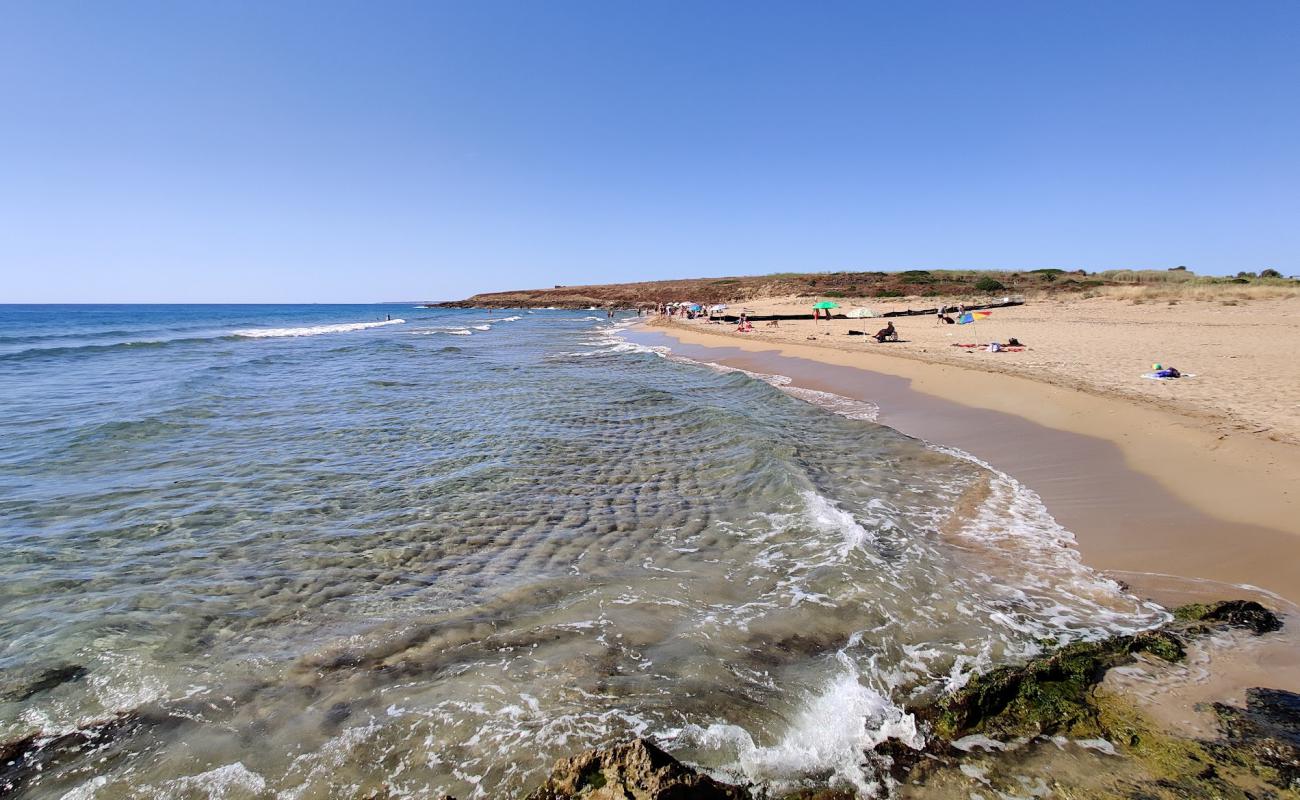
(922, 312)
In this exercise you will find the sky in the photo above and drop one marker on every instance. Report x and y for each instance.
(383, 150)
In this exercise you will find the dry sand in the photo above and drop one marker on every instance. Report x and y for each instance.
(1244, 357)
(1198, 477)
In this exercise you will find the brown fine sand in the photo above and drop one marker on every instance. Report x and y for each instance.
(1159, 481)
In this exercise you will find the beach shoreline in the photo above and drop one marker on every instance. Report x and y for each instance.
(1164, 502)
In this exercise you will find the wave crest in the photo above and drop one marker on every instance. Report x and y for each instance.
(312, 330)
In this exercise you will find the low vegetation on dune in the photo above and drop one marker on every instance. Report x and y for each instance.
(1177, 283)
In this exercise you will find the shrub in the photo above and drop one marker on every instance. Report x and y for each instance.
(889, 293)
(834, 294)
(1270, 273)
(988, 284)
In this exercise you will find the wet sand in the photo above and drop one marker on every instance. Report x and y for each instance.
(1126, 521)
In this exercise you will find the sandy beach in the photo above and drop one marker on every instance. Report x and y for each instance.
(1159, 480)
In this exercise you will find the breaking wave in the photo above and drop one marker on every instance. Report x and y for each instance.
(312, 330)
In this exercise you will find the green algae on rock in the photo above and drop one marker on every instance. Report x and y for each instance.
(635, 770)
(1050, 694)
(1258, 755)
(1235, 613)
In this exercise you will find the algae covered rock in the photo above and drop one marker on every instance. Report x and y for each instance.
(1234, 613)
(1264, 736)
(636, 770)
(1046, 695)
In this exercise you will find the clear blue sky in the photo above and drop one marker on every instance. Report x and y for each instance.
(325, 151)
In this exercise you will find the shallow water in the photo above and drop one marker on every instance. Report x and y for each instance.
(326, 554)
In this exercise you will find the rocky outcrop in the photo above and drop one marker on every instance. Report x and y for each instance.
(1195, 617)
(1264, 736)
(636, 770)
(1056, 693)
(1052, 693)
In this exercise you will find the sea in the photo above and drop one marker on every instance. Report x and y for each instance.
(321, 551)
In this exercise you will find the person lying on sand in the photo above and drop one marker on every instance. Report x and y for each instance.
(887, 334)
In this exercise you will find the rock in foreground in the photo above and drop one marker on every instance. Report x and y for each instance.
(635, 770)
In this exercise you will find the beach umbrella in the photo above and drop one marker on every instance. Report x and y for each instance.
(826, 305)
(970, 317)
(862, 313)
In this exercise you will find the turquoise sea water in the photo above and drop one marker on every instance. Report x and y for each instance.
(308, 551)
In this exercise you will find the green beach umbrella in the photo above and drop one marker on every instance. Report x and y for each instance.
(826, 305)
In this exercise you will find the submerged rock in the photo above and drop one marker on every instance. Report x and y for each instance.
(12, 690)
(636, 770)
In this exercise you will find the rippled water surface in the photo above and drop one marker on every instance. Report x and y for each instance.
(307, 551)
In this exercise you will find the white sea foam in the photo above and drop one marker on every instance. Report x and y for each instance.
(512, 319)
(1036, 555)
(448, 331)
(836, 403)
(230, 780)
(482, 327)
(825, 515)
(849, 407)
(832, 733)
(312, 330)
